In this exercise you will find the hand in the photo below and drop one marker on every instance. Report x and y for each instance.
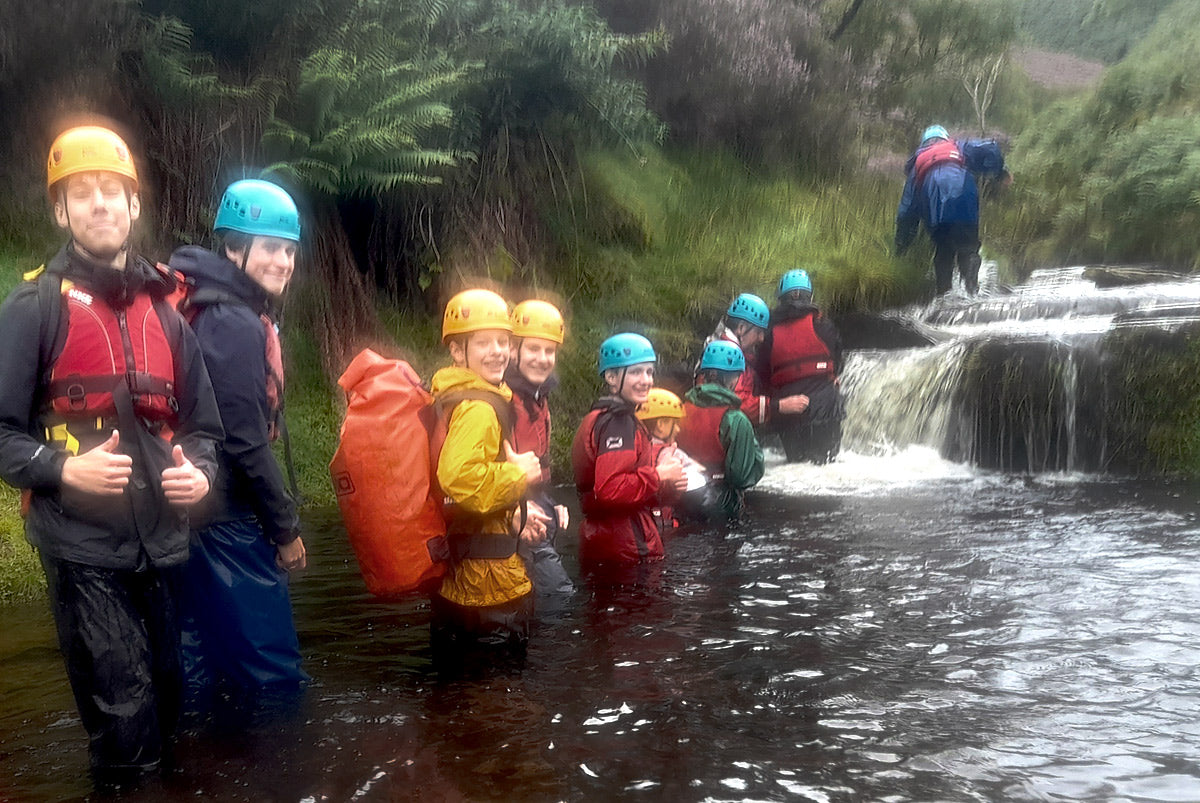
(564, 516)
(793, 405)
(670, 474)
(536, 519)
(101, 470)
(526, 461)
(183, 484)
(291, 557)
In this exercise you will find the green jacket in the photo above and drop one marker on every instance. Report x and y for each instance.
(744, 463)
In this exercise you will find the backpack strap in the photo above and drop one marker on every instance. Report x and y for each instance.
(49, 292)
(503, 410)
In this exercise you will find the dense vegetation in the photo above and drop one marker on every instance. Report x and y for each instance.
(1094, 29)
(1113, 175)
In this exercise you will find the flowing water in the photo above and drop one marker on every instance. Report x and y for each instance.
(896, 626)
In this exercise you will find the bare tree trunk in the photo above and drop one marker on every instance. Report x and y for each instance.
(981, 86)
(340, 312)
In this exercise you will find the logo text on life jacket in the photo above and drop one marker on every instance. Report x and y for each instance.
(614, 442)
(80, 296)
(821, 366)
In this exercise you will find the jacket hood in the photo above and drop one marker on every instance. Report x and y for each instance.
(453, 379)
(116, 287)
(792, 310)
(523, 389)
(614, 404)
(211, 271)
(712, 395)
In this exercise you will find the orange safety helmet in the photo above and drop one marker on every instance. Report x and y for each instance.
(534, 318)
(473, 310)
(85, 149)
(661, 403)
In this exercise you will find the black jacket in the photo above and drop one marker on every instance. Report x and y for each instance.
(139, 526)
(249, 483)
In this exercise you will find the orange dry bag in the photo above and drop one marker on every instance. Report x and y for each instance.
(382, 475)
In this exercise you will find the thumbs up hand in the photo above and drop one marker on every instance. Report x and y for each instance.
(526, 461)
(183, 484)
(101, 470)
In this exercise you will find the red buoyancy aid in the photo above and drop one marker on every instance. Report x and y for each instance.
(274, 355)
(104, 348)
(700, 436)
(944, 150)
(798, 353)
(531, 430)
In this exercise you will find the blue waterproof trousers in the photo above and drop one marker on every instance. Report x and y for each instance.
(237, 613)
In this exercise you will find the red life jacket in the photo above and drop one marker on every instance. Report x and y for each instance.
(798, 353)
(531, 429)
(700, 436)
(104, 349)
(944, 150)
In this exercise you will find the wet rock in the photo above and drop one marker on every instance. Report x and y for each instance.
(882, 331)
(1126, 275)
(1021, 409)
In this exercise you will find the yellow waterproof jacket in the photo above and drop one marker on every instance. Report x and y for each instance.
(470, 475)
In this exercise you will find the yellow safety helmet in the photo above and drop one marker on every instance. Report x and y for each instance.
(85, 149)
(661, 403)
(473, 310)
(534, 318)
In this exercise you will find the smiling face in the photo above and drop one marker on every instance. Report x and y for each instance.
(98, 209)
(270, 262)
(535, 358)
(634, 386)
(485, 352)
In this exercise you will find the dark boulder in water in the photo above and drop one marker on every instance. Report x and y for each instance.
(881, 331)
(1127, 275)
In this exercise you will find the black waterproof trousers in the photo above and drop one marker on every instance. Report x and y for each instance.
(956, 243)
(814, 436)
(120, 641)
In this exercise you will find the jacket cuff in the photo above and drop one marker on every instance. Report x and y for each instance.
(285, 537)
(47, 466)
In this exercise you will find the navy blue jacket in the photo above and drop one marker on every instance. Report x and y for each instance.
(232, 340)
(948, 193)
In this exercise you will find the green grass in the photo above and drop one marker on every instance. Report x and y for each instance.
(20, 573)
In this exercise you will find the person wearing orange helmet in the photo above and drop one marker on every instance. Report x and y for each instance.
(109, 425)
(538, 331)
(485, 599)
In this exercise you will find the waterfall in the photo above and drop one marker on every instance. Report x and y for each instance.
(1015, 381)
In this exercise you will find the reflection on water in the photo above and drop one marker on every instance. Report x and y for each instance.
(882, 629)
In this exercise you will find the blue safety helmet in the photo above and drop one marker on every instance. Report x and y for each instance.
(934, 132)
(258, 208)
(793, 280)
(722, 356)
(750, 308)
(625, 349)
